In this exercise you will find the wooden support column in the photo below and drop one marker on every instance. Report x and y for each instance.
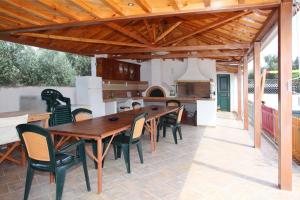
(245, 90)
(257, 96)
(285, 96)
(239, 82)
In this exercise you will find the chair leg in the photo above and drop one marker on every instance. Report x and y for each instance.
(174, 130)
(140, 150)
(164, 130)
(119, 151)
(85, 170)
(94, 147)
(29, 177)
(126, 153)
(115, 151)
(157, 133)
(60, 180)
(180, 133)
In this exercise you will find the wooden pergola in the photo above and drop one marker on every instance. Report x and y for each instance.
(228, 31)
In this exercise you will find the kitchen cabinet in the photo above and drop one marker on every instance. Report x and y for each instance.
(117, 70)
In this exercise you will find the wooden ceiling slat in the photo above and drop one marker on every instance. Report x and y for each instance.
(20, 16)
(26, 6)
(147, 25)
(91, 9)
(66, 10)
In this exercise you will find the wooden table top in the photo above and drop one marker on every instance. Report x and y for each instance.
(32, 115)
(103, 127)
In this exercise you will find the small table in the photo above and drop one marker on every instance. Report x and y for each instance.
(101, 127)
(33, 116)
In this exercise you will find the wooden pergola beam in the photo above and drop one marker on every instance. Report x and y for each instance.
(114, 6)
(257, 96)
(178, 55)
(239, 86)
(245, 91)
(210, 10)
(127, 32)
(206, 3)
(84, 40)
(178, 4)
(144, 5)
(285, 95)
(179, 48)
(168, 31)
(207, 27)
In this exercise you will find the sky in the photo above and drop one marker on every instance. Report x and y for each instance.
(272, 47)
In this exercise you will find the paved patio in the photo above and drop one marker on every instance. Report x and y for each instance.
(209, 163)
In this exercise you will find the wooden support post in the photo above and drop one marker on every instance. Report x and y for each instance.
(285, 96)
(245, 85)
(257, 96)
(239, 85)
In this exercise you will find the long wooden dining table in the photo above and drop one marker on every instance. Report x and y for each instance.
(101, 127)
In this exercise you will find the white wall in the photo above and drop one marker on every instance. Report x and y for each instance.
(10, 97)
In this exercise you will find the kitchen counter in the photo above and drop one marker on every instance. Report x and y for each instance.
(121, 99)
(181, 99)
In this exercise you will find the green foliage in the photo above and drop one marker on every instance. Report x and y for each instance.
(28, 66)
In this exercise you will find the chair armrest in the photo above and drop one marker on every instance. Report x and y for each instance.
(71, 146)
(66, 100)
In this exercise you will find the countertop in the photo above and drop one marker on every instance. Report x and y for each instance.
(121, 99)
(181, 99)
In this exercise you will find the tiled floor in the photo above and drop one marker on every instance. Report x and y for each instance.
(209, 163)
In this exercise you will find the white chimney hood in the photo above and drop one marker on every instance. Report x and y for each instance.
(192, 72)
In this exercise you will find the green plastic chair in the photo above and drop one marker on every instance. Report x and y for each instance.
(42, 156)
(81, 114)
(58, 105)
(132, 136)
(173, 123)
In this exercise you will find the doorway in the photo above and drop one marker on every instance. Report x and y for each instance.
(223, 88)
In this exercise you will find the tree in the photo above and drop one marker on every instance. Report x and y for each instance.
(25, 65)
(9, 71)
(81, 64)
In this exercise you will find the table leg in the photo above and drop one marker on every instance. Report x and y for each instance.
(51, 174)
(153, 134)
(99, 158)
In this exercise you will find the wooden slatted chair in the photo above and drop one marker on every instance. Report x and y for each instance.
(10, 140)
(42, 156)
(133, 136)
(174, 124)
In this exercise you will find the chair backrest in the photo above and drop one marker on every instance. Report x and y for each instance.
(137, 127)
(54, 98)
(179, 114)
(61, 114)
(136, 105)
(8, 132)
(173, 103)
(81, 114)
(38, 145)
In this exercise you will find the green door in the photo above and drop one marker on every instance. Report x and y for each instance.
(223, 92)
